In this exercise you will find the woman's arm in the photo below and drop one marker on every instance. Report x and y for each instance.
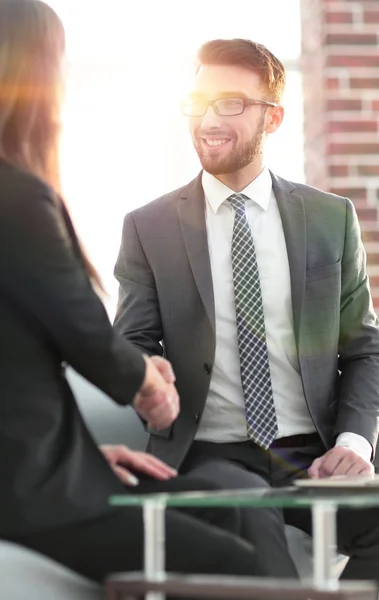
(41, 276)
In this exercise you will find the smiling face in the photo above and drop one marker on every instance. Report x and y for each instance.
(229, 144)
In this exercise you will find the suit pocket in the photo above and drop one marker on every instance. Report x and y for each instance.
(324, 272)
(163, 433)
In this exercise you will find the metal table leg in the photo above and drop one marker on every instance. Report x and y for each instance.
(324, 545)
(154, 544)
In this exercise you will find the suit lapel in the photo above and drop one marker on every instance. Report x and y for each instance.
(291, 208)
(191, 211)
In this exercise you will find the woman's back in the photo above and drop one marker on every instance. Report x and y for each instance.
(51, 471)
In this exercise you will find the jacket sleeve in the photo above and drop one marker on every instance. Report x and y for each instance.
(358, 406)
(138, 315)
(43, 278)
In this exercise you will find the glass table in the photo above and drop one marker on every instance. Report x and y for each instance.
(322, 502)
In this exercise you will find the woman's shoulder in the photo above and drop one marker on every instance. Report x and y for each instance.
(17, 179)
(20, 189)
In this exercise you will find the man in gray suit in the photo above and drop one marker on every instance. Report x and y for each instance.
(255, 288)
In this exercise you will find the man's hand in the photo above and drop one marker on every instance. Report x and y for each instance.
(340, 460)
(157, 400)
(120, 457)
(164, 367)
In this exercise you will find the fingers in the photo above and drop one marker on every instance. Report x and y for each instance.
(114, 453)
(118, 454)
(122, 457)
(153, 379)
(163, 415)
(147, 403)
(340, 467)
(314, 469)
(157, 401)
(125, 476)
(164, 367)
(159, 409)
(335, 460)
(368, 470)
(149, 465)
(347, 462)
(359, 469)
(340, 460)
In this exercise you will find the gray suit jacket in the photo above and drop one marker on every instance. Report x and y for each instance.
(166, 305)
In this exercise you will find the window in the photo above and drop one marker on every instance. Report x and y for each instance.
(118, 150)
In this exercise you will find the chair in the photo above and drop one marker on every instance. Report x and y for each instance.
(27, 575)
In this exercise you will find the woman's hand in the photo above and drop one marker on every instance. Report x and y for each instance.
(157, 401)
(121, 457)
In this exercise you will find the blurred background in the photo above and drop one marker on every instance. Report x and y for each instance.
(125, 142)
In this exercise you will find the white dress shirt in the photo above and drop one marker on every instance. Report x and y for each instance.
(223, 418)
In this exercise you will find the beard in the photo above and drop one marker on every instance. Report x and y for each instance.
(239, 156)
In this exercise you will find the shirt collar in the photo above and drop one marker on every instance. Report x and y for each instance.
(258, 190)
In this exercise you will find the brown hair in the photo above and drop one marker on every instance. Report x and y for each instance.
(250, 55)
(32, 48)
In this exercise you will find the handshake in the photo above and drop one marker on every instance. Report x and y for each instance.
(157, 401)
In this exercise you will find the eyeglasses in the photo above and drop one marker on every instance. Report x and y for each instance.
(225, 107)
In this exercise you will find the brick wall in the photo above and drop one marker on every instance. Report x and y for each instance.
(340, 64)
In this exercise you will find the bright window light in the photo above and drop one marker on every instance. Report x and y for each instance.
(124, 140)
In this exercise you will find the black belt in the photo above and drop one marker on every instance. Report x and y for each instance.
(296, 441)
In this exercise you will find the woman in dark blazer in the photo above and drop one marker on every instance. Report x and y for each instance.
(54, 481)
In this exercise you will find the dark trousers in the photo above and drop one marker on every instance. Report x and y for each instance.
(245, 465)
(195, 540)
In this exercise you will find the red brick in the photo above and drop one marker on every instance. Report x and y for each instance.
(374, 279)
(351, 39)
(367, 214)
(372, 258)
(346, 50)
(368, 170)
(338, 170)
(357, 60)
(353, 148)
(352, 193)
(348, 104)
(339, 17)
(371, 235)
(371, 16)
(332, 83)
(364, 83)
(352, 126)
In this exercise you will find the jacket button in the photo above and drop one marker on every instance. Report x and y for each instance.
(207, 368)
(196, 418)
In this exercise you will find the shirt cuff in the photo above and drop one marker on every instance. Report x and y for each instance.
(355, 442)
